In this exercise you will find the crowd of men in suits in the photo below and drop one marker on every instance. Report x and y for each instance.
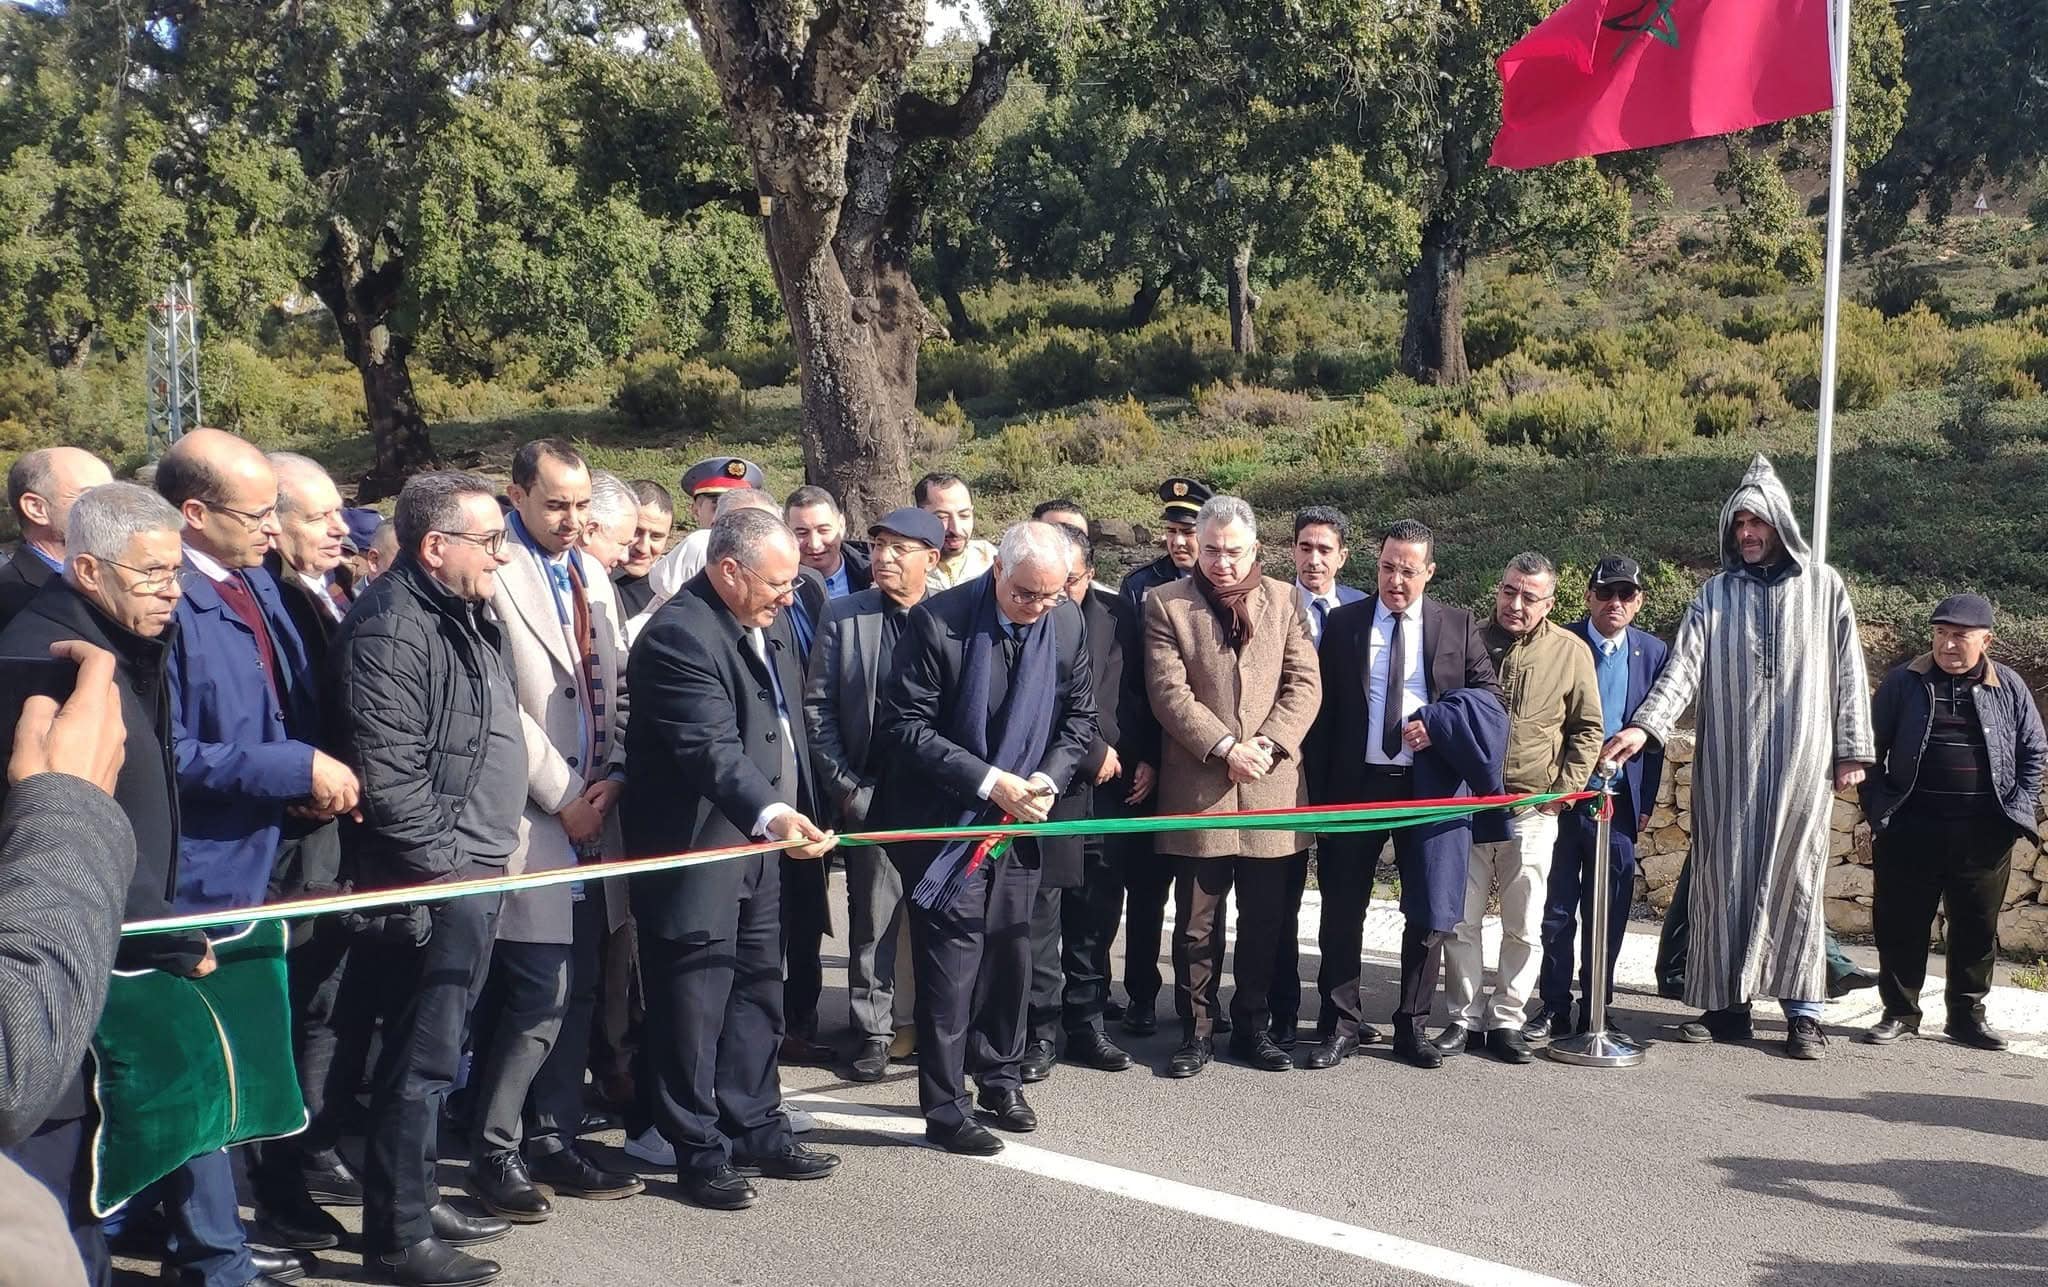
(539, 680)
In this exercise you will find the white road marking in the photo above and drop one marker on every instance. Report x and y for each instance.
(1212, 1204)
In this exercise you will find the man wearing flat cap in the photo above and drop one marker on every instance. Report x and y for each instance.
(1148, 878)
(850, 662)
(1960, 751)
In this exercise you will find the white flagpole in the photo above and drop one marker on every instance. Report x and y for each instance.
(1831, 312)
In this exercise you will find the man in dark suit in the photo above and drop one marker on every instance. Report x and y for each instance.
(652, 528)
(715, 756)
(1080, 881)
(1626, 662)
(41, 488)
(987, 714)
(1385, 663)
(852, 658)
(820, 526)
(1148, 878)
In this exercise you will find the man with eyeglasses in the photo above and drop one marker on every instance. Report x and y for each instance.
(1626, 663)
(421, 703)
(716, 757)
(1554, 736)
(987, 713)
(853, 658)
(118, 592)
(41, 488)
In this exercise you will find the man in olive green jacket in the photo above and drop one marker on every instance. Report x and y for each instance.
(1554, 736)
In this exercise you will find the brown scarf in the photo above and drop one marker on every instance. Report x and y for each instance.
(1231, 604)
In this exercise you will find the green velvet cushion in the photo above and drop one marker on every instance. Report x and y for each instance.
(182, 1067)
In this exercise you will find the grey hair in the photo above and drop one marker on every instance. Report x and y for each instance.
(107, 517)
(1033, 542)
(290, 464)
(432, 501)
(610, 499)
(385, 540)
(1222, 511)
(1530, 563)
(745, 498)
(741, 534)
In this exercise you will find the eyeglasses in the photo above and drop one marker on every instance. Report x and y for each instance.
(1508, 594)
(152, 580)
(488, 542)
(257, 519)
(781, 590)
(1032, 598)
(1609, 593)
(1399, 572)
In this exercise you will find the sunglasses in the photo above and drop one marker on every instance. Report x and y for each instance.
(1610, 593)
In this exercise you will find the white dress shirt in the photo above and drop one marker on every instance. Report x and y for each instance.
(1414, 686)
(759, 643)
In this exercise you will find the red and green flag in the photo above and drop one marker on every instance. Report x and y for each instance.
(1614, 75)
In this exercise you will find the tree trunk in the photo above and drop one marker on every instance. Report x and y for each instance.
(1244, 341)
(70, 352)
(361, 295)
(1146, 301)
(959, 320)
(1433, 341)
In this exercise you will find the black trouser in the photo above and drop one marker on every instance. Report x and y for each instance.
(805, 922)
(330, 1032)
(1345, 867)
(1568, 908)
(1071, 930)
(1283, 999)
(513, 1029)
(357, 1003)
(554, 1107)
(714, 1029)
(1920, 860)
(58, 1156)
(1200, 887)
(426, 993)
(973, 985)
(1148, 883)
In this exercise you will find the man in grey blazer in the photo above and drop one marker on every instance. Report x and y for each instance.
(849, 663)
(563, 646)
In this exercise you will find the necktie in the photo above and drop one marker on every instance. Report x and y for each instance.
(1390, 711)
(1322, 611)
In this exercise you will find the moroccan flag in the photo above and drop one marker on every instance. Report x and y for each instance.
(1613, 75)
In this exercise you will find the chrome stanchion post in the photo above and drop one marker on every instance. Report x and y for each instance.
(1597, 1047)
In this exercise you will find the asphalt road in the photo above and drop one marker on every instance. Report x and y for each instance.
(1919, 1165)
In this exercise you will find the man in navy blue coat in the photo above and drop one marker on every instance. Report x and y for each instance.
(1626, 662)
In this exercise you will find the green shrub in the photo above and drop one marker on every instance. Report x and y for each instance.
(1055, 369)
(1173, 362)
(1759, 322)
(1438, 470)
(1117, 433)
(1023, 453)
(1454, 429)
(1493, 335)
(1229, 461)
(1514, 376)
(943, 429)
(1921, 347)
(1720, 416)
(1863, 375)
(1252, 405)
(660, 391)
(1735, 280)
(1644, 414)
(1897, 287)
(946, 370)
(2022, 298)
(1341, 371)
(759, 366)
(1358, 434)
(1603, 353)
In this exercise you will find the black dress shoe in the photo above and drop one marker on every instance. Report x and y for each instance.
(281, 1266)
(797, 1162)
(1036, 1065)
(1222, 1025)
(1262, 1053)
(1286, 1032)
(499, 1181)
(431, 1262)
(970, 1139)
(871, 1061)
(1853, 981)
(300, 1224)
(329, 1181)
(1456, 1039)
(459, 1229)
(1009, 1109)
(1718, 1025)
(1139, 1020)
(1091, 1049)
(1369, 1035)
(1411, 1048)
(596, 1122)
(1890, 1029)
(1508, 1046)
(1193, 1056)
(1331, 1051)
(720, 1189)
(1112, 1010)
(803, 1050)
(1981, 1036)
(570, 1174)
(1540, 1028)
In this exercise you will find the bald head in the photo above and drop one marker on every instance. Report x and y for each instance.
(309, 519)
(226, 491)
(43, 485)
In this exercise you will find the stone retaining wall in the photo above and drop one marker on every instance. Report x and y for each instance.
(2022, 926)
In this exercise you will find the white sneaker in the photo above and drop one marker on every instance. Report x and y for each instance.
(800, 1122)
(649, 1147)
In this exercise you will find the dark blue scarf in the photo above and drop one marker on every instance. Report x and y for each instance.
(1026, 717)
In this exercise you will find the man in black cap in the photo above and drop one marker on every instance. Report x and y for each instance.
(850, 661)
(1626, 662)
(1960, 751)
(1148, 879)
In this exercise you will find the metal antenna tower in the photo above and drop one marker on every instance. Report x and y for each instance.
(172, 366)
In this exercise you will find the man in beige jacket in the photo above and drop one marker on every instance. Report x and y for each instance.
(1234, 683)
(1554, 735)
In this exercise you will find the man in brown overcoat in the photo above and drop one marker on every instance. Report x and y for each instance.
(1234, 683)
